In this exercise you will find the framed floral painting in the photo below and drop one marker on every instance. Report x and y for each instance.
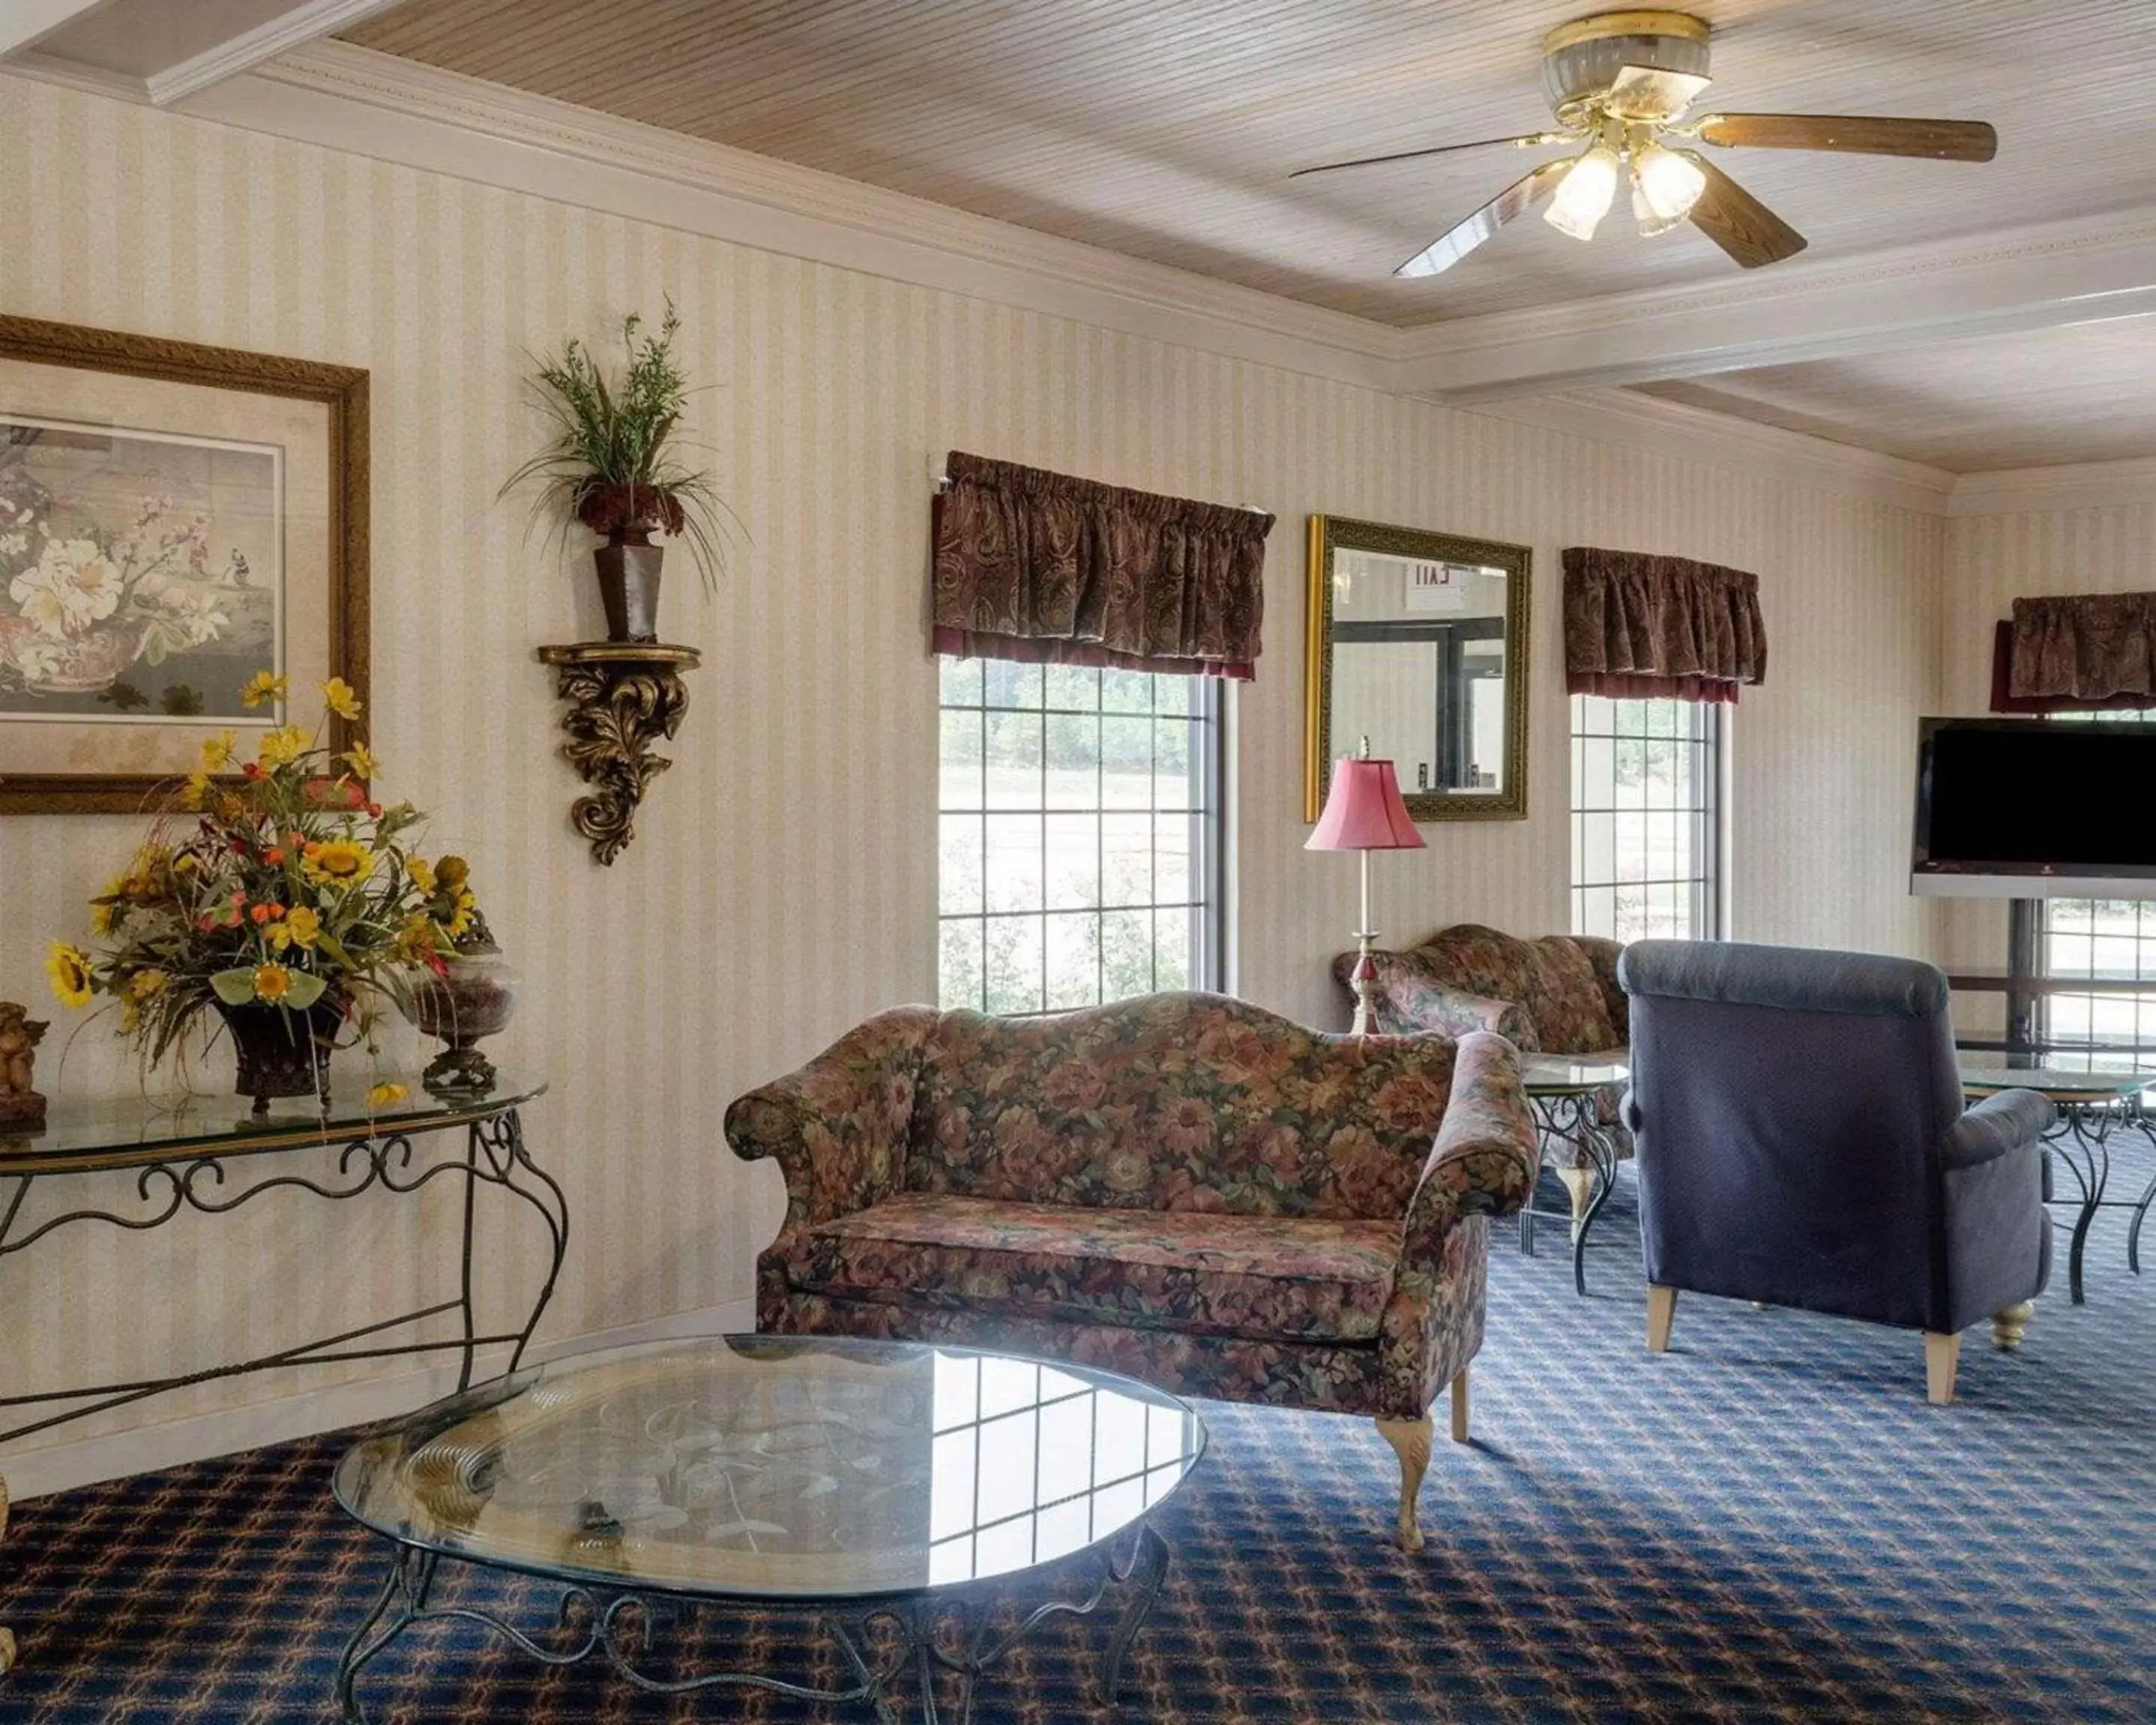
(173, 519)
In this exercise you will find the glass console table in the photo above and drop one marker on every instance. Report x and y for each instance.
(2091, 1107)
(208, 1154)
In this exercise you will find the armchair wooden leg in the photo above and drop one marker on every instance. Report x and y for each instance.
(2008, 1325)
(1942, 1357)
(1410, 1440)
(1662, 1313)
(1460, 1407)
(1580, 1182)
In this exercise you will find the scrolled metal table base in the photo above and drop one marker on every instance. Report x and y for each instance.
(909, 1645)
(1574, 1117)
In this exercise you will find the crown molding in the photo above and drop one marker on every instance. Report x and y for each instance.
(1705, 437)
(2037, 277)
(376, 104)
(290, 29)
(2023, 491)
(74, 74)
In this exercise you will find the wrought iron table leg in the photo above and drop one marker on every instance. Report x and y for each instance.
(2133, 1231)
(465, 1283)
(2082, 1143)
(1601, 1147)
(1148, 1570)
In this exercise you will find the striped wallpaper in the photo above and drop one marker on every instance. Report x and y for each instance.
(781, 886)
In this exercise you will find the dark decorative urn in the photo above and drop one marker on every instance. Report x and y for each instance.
(474, 998)
(283, 1052)
(628, 565)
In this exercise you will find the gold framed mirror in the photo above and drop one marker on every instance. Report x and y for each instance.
(1419, 641)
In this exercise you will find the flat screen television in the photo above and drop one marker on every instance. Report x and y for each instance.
(2036, 808)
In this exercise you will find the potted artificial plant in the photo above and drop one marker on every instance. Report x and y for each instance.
(613, 466)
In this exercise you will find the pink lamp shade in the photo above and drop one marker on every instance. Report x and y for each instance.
(1363, 810)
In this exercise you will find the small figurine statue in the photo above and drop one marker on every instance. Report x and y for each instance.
(19, 1035)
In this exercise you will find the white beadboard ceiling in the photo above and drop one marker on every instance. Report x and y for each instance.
(1166, 129)
(2083, 392)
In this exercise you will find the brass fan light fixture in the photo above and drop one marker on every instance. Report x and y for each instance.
(1620, 83)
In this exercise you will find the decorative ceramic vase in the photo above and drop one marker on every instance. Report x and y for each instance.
(283, 1052)
(476, 998)
(628, 583)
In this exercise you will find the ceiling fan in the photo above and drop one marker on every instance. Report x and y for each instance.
(1620, 83)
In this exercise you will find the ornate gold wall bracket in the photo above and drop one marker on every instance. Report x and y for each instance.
(624, 698)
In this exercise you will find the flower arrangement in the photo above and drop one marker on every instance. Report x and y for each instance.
(283, 895)
(84, 599)
(612, 465)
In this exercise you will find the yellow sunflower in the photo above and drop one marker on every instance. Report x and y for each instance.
(416, 941)
(340, 862)
(69, 967)
(340, 698)
(272, 982)
(260, 688)
(421, 874)
(300, 928)
(361, 759)
(217, 751)
(282, 746)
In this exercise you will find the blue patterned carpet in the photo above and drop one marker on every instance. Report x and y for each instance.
(1768, 1523)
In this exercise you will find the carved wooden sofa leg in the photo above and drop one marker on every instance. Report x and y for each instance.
(2008, 1325)
(1411, 1440)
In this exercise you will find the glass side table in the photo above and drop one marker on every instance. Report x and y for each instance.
(1566, 1093)
(2092, 1106)
(899, 1493)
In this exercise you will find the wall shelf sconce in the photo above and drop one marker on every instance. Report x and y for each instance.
(624, 696)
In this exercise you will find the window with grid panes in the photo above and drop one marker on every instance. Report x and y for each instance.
(1080, 842)
(1646, 818)
(2096, 938)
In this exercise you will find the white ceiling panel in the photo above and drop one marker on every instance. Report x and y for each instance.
(1166, 129)
(2085, 393)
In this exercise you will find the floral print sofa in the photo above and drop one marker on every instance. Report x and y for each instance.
(1558, 994)
(1183, 1187)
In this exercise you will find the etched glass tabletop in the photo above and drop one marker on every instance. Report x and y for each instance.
(1556, 1074)
(776, 1467)
(2059, 1083)
(135, 1127)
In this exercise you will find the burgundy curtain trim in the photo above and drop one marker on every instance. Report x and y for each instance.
(2004, 700)
(1024, 649)
(2090, 649)
(1632, 685)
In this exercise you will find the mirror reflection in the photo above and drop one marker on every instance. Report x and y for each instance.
(1417, 633)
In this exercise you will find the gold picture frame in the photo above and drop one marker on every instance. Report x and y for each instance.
(276, 447)
(1329, 534)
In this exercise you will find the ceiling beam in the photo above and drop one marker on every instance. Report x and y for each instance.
(24, 23)
(2037, 278)
(294, 27)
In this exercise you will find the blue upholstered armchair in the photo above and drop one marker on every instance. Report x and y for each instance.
(1801, 1140)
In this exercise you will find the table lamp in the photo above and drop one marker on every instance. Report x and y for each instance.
(1364, 813)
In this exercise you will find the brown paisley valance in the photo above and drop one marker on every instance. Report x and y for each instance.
(1039, 567)
(1641, 627)
(2081, 651)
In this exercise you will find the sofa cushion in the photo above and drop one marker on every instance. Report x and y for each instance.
(1254, 1276)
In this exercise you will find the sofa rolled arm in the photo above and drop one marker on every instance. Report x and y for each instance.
(1485, 1158)
(837, 1127)
(2004, 1121)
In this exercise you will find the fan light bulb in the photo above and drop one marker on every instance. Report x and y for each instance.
(1665, 186)
(1585, 194)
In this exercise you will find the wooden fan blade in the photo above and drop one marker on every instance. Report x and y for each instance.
(1515, 201)
(1860, 134)
(1739, 222)
(1527, 141)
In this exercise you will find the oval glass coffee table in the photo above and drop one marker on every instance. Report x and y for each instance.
(917, 1499)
